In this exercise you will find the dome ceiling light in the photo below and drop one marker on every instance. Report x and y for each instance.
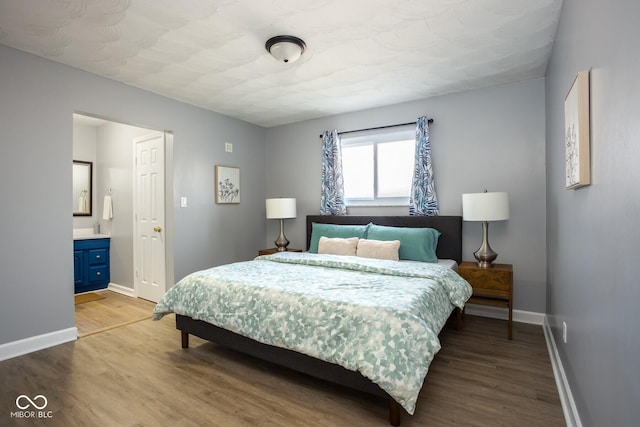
(285, 48)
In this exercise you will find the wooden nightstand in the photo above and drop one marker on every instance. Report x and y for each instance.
(274, 250)
(491, 286)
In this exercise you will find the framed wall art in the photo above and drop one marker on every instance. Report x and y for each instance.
(577, 156)
(227, 184)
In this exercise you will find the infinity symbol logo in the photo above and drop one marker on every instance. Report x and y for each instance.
(30, 402)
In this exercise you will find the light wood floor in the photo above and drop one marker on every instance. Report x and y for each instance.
(137, 375)
(113, 311)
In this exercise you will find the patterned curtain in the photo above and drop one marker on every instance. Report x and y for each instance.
(332, 198)
(423, 200)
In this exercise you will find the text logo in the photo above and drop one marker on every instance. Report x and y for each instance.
(25, 402)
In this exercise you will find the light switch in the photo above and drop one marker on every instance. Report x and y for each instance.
(228, 147)
(183, 202)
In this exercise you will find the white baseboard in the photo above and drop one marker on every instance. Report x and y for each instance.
(569, 408)
(503, 313)
(124, 290)
(571, 416)
(39, 342)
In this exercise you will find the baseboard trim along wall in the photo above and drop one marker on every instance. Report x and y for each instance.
(124, 290)
(569, 408)
(39, 342)
(503, 314)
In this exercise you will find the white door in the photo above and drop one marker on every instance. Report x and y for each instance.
(149, 251)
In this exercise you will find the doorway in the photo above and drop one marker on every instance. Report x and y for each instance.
(110, 145)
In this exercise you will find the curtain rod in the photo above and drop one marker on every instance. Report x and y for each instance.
(379, 127)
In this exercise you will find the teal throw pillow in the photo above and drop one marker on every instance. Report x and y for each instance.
(334, 230)
(416, 244)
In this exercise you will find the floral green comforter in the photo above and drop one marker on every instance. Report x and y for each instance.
(381, 318)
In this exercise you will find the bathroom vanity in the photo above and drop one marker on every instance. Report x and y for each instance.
(91, 262)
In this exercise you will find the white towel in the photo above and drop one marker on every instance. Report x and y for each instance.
(82, 204)
(107, 211)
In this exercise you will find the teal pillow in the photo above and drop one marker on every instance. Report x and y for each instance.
(334, 230)
(417, 244)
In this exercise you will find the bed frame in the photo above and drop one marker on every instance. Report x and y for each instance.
(449, 247)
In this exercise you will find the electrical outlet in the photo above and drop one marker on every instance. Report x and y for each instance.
(564, 332)
(183, 202)
(228, 147)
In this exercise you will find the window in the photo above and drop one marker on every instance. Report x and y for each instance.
(378, 168)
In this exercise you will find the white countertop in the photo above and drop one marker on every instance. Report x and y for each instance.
(87, 233)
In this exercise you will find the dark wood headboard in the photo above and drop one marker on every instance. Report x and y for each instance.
(450, 227)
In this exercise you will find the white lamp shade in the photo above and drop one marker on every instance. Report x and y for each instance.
(485, 206)
(281, 208)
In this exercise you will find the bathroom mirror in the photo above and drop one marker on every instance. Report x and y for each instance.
(82, 188)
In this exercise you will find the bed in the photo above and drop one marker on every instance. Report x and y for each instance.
(373, 329)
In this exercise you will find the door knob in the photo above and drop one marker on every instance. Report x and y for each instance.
(157, 229)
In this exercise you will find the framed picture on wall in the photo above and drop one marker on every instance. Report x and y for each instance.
(576, 133)
(227, 184)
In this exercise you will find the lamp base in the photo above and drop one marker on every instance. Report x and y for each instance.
(485, 255)
(281, 242)
(482, 263)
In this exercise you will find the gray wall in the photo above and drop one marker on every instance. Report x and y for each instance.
(593, 234)
(38, 100)
(486, 139)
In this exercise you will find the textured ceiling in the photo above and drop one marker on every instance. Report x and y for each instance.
(360, 53)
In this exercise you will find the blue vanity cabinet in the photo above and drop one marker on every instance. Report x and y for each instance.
(91, 264)
(79, 276)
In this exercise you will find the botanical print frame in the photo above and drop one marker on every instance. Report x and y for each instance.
(227, 184)
(576, 133)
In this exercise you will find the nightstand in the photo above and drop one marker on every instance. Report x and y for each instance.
(491, 286)
(275, 250)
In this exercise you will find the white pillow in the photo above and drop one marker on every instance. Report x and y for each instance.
(338, 245)
(379, 249)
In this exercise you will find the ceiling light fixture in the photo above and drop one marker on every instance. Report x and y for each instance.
(285, 48)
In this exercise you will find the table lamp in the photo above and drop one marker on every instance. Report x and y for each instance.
(485, 207)
(281, 208)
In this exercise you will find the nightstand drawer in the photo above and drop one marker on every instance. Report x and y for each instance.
(489, 278)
